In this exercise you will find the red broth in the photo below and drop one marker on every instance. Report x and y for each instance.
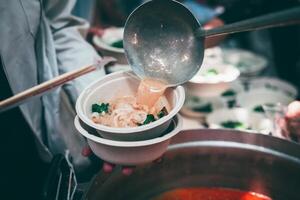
(210, 194)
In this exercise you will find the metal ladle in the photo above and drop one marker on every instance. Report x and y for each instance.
(164, 40)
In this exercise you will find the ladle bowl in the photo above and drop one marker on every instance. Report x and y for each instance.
(159, 42)
(165, 41)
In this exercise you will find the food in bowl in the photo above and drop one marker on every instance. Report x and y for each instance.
(210, 72)
(201, 105)
(117, 44)
(147, 106)
(126, 112)
(228, 93)
(235, 125)
(260, 109)
(239, 119)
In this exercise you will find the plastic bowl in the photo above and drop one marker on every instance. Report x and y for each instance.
(274, 84)
(117, 85)
(215, 85)
(260, 96)
(253, 122)
(102, 43)
(129, 152)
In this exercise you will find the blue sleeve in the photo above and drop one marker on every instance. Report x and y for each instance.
(201, 12)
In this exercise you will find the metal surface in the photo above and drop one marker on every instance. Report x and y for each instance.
(212, 158)
(163, 40)
(282, 18)
(163, 47)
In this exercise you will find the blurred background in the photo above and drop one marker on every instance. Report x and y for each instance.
(240, 74)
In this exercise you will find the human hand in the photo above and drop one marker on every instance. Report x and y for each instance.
(109, 167)
(292, 119)
(213, 41)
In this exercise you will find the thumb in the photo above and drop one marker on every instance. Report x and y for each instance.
(86, 151)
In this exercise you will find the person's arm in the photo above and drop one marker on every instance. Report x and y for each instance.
(293, 120)
(71, 48)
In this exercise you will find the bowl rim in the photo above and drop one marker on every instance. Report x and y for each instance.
(98, 41)
(115, 143)
(283, 85)
(235, 75)
(241, 97)
(262, 64)
(102, 45)
(85, 119)
(215, 125)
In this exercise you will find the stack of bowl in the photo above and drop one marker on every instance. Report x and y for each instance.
(126, 146)
(110, 43)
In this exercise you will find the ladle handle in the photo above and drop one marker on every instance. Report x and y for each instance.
(282, 18)
(46, 86)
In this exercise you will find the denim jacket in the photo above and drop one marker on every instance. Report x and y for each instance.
(40, 39)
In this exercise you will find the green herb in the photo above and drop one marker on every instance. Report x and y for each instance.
(234, 125)
(162, 113)
(243, 65)
(258, 109)
(271, 87)
(118, 44)
(99, 108)
(231, 103)
(149, 118)
(195, 99)
(228, 93)
(207, 108)
(211, 72)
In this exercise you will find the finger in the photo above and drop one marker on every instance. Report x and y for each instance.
(213, 41)
(86, 151)
(96, 31)
(282, 123)
(127, 170)
(108, 167)
(293, 110)
(294, 127)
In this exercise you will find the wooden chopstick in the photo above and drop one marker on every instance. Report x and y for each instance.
(44, 87)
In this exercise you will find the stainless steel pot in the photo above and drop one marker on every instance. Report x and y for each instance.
(211, 158)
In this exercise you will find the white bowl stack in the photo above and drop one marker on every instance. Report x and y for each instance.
(126, 145)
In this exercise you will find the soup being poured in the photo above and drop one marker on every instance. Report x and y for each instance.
(210, 194)
(149, 91)
(147, 106)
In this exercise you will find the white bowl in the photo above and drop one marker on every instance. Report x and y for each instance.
(133, 152)
(256, 122)
(274, 84)
(109, 36)
(260, 96)
(197, 107)
(209, 86)
(247, 62)
(117, 85)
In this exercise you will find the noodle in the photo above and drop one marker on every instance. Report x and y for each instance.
(127, 111)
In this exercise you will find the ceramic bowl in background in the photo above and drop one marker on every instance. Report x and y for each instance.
(130, 153)
(247, 62)
(199, 107)
(123, 84)
(239, 118)
(255, 98)
(274, 84)
(212, 80)
(228, 97)
(105, 44)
